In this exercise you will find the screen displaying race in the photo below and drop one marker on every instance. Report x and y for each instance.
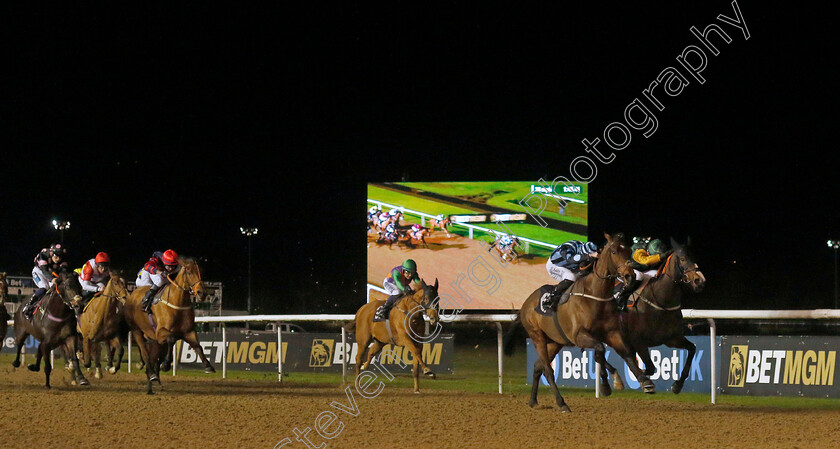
(486, 243)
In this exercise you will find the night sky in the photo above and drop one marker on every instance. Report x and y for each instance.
(156, 129)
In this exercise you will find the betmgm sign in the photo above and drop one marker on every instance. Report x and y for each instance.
(781, 366)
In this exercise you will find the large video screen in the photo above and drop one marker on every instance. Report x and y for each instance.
(486, 243)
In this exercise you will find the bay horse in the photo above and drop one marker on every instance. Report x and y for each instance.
(587, 320)
(656, 317)
(442, 223)
(415, 238)
(4, 314)
(172, 318)
(103, 321)
(54, 325)
(403, 328)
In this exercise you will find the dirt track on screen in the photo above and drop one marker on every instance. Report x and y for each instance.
(485, 280)
(211, 413)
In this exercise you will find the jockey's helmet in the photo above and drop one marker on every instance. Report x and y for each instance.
(589, 247)
(57, 250)
(170, 257)
(656, 247)
(410, 265)
(102, 259)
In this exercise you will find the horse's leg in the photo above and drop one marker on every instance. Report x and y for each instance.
(86, 347)
(644, 354)
(144, 350)
(373, 351)
(78, 377)
(618, 384)
(682, 343)
(585, 340)
(43, 351)
(35, 367)
(116, 359)
(192, 340)
(166, 356)
(615, 340)
(363, 348)
(152, 354)
(20, 340)
(97, 357)
(551, 351)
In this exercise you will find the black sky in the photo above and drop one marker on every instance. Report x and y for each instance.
(151, 129)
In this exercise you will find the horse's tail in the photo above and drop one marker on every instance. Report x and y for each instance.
(350, 327)
(510, 335)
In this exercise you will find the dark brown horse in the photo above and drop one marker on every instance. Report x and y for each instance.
(4, 314)
(588, 320)
(54, 325)
(102, 321)
(404, 328)
(656, 317)
(172, 319)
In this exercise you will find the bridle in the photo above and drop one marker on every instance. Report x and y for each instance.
(191, 289)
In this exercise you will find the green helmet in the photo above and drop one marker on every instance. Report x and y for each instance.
(410, 265)
(656, 247)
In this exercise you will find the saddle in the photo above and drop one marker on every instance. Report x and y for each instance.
(547, 290)
(637, 293)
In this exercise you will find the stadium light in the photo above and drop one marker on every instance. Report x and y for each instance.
(61, 225)
(835, 245)
(249, 232)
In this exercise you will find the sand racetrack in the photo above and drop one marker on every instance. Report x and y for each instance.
(207, 412)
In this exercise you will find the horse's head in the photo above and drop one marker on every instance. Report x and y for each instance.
(190, 278)
(69, 288)
(617, 256)
(686, 270)
(429, 301)
(116, 287)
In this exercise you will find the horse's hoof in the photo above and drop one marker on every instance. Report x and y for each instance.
(532, 404)
(430, 374)
(676, 388)
(650, 388)
(140, 365)
(83, 381)
(16, 363)
(565, 409)
(605, 389)
(209, 370)
(618, 385)
(34, 368)
(166, 367)
(153, 378)
(98, 374)
(73, 382)
(112, 370)
(416, 391)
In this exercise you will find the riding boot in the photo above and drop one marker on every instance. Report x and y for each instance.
(147, 300)
(550, 302)
(29, 308)
(622, 296)
(385, 309)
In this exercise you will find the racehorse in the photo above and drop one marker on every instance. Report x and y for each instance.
(172, 318)
(656, 318)
(417, 238)
(4, 314)
(588, 320)
(443, 224)
(102, 321)
(506, 253)
(403, 328)
(54, 325)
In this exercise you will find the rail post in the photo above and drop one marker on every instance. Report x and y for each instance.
(224, 351)
(499, 342)
(713, 356)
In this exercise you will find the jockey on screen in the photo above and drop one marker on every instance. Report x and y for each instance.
(155, 275)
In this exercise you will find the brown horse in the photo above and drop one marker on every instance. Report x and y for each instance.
(4, 314)
(442, 223)
(588, 320)
(54, 325)
(102, 321)
(656, 318)
(404, 327)
(172, 318)
(414, 238)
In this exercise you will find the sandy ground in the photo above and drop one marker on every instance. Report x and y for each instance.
(209, 412)
(486, 282)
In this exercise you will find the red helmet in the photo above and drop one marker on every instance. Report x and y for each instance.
(102, 258)
(170, 257)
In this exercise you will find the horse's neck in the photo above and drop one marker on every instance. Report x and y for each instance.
(54, 303)
(601, 283)
(664, 289)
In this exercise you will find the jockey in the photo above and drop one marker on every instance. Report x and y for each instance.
(415, 231)
(383, 219)
(42, 276)
(373, 213)
(390, 232)
(505, 241)
(646, 261)
(94, 274)
(56, 262)
(155, 275)
(398, 283)
(565, 264)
